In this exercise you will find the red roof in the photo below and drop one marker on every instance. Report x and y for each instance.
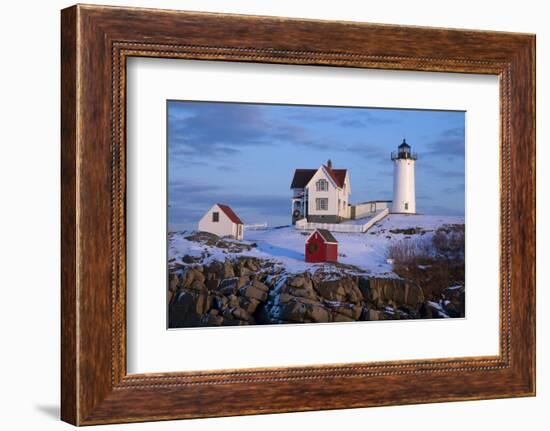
(303, 176)
(338, 175)
(230, 213)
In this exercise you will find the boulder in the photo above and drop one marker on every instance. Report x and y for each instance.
(173, 284)
(228, 271)
(187, 307)
(401, 292)
(251, 291)
(212, 319)
(242, 314)
(342, 290)
(228, 286)
(248, 304)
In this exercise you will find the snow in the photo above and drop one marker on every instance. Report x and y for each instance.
(285, 245)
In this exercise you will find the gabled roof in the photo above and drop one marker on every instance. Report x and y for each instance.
(338, 175)
(325, 234)
(303, 176)
(230, 213)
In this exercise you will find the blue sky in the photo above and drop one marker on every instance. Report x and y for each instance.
(244, 155)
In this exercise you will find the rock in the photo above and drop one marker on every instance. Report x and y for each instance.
(349, 310)
(398, 291)
(363, 284)
(185, 309)
(260, 286)
(319, 314)
(174, 281)
(191, 275)
(337, 317)
(375, 315)
(220, 302)
(297, 281)
(457, 301)
(242, 281)
(242, 314)
(293, 311)
(213, 284)
(228, 271)
(212, 319)
(248, 304)
(188, 259)
(228, 286)
(251, 291)
(233, 301)
(343, 290)
(243, 271)
(197, 285)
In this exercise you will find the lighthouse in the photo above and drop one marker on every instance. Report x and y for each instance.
(404, 197)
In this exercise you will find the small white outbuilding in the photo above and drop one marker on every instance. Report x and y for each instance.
(221, 220)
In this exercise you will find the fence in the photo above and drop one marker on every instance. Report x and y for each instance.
(344, 227)
(257, 226)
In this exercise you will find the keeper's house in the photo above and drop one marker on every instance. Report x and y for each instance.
(321, 195)
(321, 246)
(221, 220)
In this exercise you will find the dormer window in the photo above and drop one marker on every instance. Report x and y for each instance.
(322, 185)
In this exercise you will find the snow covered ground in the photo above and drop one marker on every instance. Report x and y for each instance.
(285, 245)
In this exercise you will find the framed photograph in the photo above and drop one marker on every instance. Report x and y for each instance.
(329, 214)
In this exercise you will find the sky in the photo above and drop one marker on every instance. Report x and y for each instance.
(244, 155)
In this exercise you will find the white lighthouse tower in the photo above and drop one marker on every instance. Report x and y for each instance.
(404, 196)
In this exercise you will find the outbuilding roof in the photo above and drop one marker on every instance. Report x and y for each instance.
(230, 213)
(326, 235)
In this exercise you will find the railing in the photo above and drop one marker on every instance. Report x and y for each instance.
(256, 226)
(303, 224)
(298, 193)
(403, 155)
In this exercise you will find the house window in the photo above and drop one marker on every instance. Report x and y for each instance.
(215, 217)
(321, 204)
(322, 185)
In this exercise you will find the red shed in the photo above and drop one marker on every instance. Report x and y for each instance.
(321, 246)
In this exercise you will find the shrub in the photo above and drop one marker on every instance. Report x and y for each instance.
(410, 252)
(449, 241)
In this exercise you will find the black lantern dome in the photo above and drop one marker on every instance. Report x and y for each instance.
(404, 152)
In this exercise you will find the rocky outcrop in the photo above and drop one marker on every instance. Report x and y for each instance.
(250, 291)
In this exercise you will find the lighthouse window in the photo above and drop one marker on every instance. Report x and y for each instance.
(322, 185)
(321, 204)
(406, 205)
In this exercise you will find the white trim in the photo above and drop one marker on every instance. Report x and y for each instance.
(324, 239)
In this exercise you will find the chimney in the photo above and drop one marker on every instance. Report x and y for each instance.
(329, 164)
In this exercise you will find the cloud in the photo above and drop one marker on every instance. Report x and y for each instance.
(221, 130)
(450, 142)
(364, 120)
(368, 151)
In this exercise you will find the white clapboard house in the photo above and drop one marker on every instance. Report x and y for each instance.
(221, 220)
(321, 195)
